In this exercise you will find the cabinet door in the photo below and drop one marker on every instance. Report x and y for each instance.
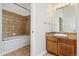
(68, 50)
(59, 47)
(52, 46)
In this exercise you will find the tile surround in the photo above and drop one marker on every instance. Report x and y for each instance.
(14, 23)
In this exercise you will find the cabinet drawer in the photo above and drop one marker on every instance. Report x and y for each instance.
(51, 39)
(70, 42)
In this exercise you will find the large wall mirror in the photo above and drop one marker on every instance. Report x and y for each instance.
(65, 19)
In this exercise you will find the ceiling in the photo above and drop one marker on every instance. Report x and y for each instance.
(28, 5)
(25, 5)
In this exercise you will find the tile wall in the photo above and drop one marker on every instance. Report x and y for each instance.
(14, 24)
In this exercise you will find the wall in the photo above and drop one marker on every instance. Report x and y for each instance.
(40, 24)
(27, 25)
(0, 29)
(77, 27)
(14, 24)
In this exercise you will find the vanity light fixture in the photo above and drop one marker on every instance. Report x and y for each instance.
(63, 6)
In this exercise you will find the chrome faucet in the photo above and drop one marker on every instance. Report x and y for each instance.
(60, 24)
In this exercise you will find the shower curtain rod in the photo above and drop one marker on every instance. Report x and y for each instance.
(22, 7)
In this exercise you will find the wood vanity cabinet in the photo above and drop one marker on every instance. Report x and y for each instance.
(51, 45)
(66, 47)
(60, 46)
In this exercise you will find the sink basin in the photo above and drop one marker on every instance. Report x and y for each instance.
(59, 34)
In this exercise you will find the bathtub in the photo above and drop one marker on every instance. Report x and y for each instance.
(13, 43)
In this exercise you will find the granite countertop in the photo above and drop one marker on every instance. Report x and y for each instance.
(71, 35)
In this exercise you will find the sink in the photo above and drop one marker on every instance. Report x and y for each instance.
(60, 34)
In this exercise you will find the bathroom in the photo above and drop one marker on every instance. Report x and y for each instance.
(16, 29)
(46, 28)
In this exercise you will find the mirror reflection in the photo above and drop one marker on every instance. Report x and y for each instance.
(65, 19)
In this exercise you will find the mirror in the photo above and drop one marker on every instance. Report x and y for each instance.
(65, 19)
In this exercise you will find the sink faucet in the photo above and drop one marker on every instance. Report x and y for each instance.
(60, 24)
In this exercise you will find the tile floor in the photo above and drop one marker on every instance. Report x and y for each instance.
(25, 51)
(48, 54)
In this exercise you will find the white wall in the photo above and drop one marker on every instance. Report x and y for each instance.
(40, 19)
(14, 8)
(0, 29)
(77, 27)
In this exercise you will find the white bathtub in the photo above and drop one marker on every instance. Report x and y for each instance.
(12, 43)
